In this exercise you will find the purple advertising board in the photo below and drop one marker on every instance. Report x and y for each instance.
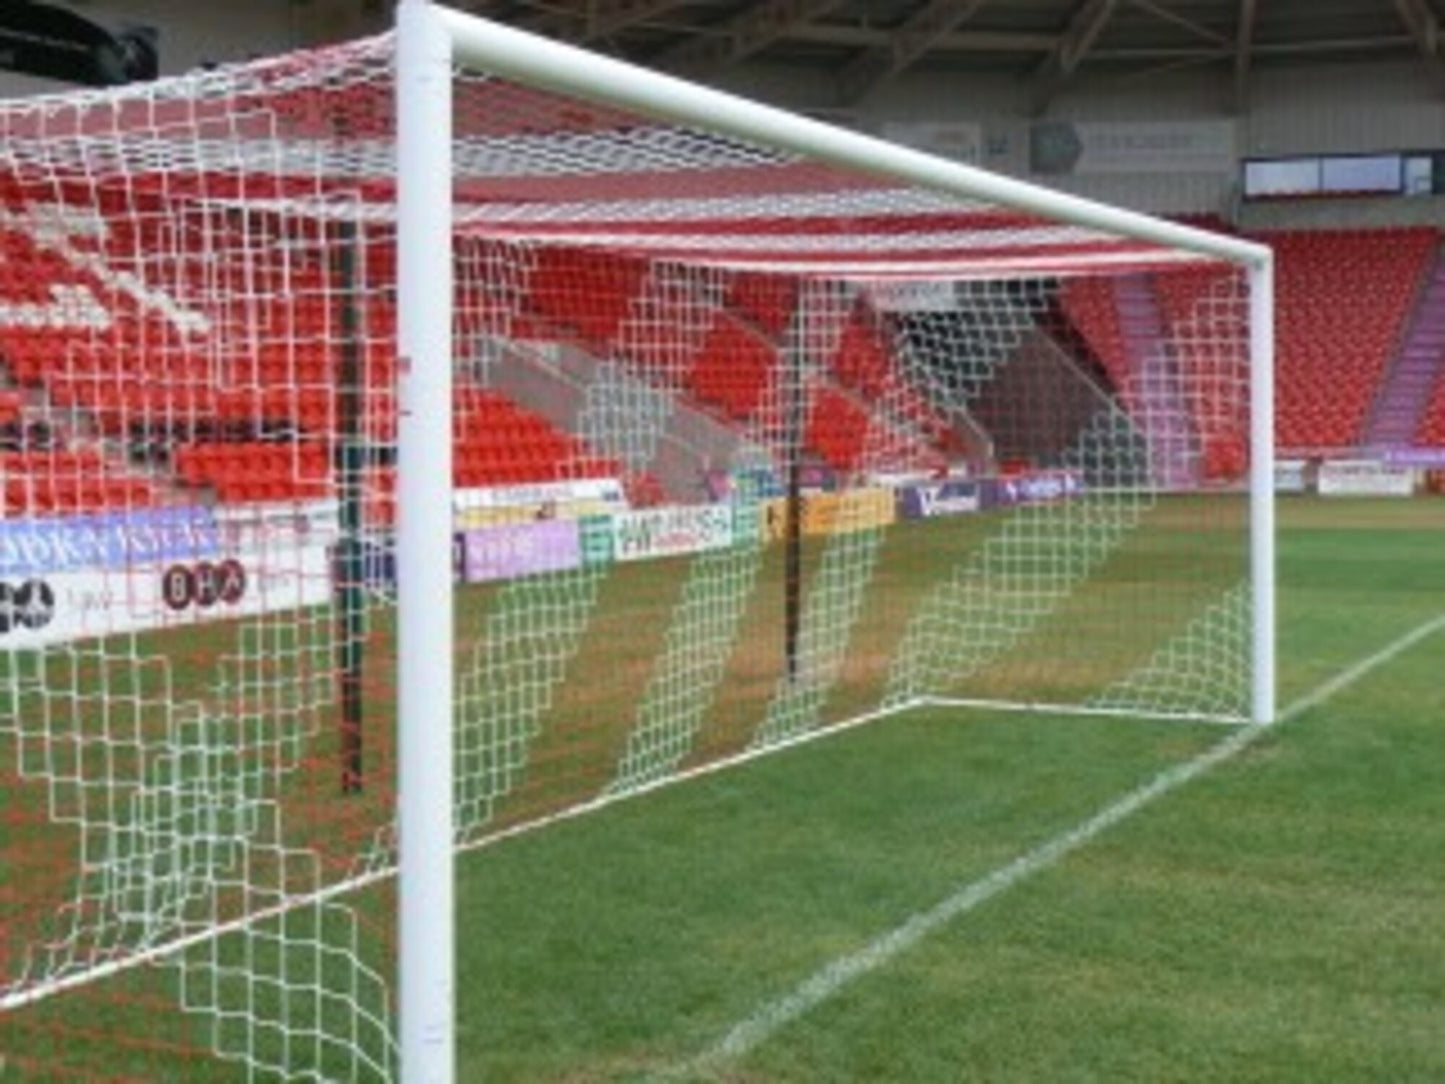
(1415, 457)
(1034, 488)
(107, 540)
(951, 497)
(521, 549)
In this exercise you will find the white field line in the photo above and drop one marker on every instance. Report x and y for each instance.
(1045, 708)
(832, 978)
(172, 947)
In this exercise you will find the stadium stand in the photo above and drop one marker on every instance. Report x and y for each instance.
(734, 369)
(1346, 302)
(1361, 321)
(1343, 297)
(86, 425)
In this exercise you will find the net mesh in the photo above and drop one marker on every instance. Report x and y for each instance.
(747, 447)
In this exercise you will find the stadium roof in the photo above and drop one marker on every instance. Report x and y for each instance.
(866, 43)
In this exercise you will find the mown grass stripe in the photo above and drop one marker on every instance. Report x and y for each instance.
(828, 981)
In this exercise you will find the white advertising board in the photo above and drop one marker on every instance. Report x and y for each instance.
(1365, 478)
(71, 578)
(1290, 476)
(664, 532)
(76, 604)
(539, 493)
(1132, 147)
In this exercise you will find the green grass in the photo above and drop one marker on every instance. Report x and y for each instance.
(1277, 919)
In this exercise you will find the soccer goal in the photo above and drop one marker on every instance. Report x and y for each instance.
(414, 442)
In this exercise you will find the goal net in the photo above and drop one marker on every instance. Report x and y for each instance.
(746, 443)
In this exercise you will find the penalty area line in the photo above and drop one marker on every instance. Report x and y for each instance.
(823, 984)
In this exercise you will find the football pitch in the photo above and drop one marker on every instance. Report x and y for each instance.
(972, 895)
(968, 896)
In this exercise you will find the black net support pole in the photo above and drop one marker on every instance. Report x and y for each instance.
(793, 521)
(349, 464)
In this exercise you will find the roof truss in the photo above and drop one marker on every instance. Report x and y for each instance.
(1243, 54)
(1424, 27)
(925, 29)
(755, 28)
(1058, 68)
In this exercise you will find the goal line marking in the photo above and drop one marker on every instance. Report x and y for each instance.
(833, 977)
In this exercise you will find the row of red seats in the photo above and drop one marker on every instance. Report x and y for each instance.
(1342, 300)
(1088, 301)
(40, 495)
(62, 480)
(837, 429)
(734, 369)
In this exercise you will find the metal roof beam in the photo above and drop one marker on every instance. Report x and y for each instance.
(1168, 15)
(1424, 27)
(1058, 68)
(971, 41)
(597, 19)
(1385, 43)
(607, 17)
(744, 34)
(1243, 54)
(923, 30)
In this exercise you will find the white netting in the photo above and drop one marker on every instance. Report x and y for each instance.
(746, 446)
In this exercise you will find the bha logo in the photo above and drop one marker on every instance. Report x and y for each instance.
(28, 605)
(203, 584)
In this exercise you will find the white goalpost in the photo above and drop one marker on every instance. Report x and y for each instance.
(431, 40)
(414, 442)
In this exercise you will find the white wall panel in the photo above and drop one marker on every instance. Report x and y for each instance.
(1344, 109)
(1299, 109)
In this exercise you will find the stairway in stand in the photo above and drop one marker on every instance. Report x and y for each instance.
(1162, 407)
(1402, 402)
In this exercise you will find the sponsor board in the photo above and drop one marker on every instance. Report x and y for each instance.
(831, 513)
(26, 606)
(1033, 488)
(607, 491)
(1416, 457)
(472, 518)
(596, 540)
(1365, 478)
(203, 584)
(760, 483)
(1290, 476)
(261, 528)
(78, 604)
(914, 296)
(664, 532)
(950, 498)
(107, 541)
(378, 564)
(522, 549)
(1132, 147)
